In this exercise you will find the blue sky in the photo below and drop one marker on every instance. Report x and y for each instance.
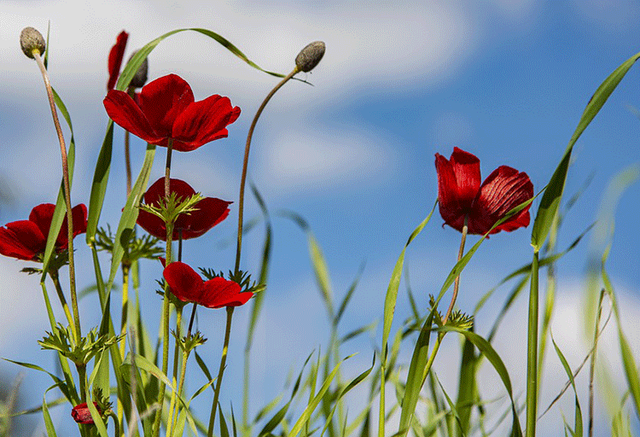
(354, 154)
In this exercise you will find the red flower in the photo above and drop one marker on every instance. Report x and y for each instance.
(167, 110)
(81, 413)
(27, 239)
(188, 286)
(211, 211)
(115, 59)
(460, 194)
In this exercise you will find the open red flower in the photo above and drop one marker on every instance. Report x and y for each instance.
(168, 110)
(115, 59)
(188, 286)
(27, 239)
(210, 212)
(461, 195)
(81, 413)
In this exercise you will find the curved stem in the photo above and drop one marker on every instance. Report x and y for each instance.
(245, 162)
(223, 361)
(67, 194)
(456, 285)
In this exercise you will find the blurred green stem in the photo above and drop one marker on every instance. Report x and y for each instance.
(56, 282)
(532, 350)
(223, 361)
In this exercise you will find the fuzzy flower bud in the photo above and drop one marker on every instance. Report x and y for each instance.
(30, 41)
(310, 56)
(140, 78)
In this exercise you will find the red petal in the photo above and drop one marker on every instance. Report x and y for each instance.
(79, 213)
(222, 293)
(115, 59)
(41, 215)
(211, 211)
(152, 224)
(204, 121)
(163, 100)
(22, 239)
(502, 191)
(184, 282)
(458, 183)
(81, 413)
(126, 113)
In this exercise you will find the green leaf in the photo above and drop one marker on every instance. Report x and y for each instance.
(578, 411)
(48, 423)
(99, 184)
(550, 201)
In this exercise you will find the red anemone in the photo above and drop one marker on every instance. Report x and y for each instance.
(210, 212)
(188, 286)
(461, 195)
(27, 239)
(167, 110)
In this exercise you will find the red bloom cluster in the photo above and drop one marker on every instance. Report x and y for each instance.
(210, 212)
(461, 195)
(188, 286)
(81, 413)
(27, 239)
(167, 110)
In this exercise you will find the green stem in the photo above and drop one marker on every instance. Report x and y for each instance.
(456, 285)
(67, 194)
(53, 274)
(183, 372)
(126, 269)
(245, 163)
(532, 351)
(166, 300)
(223, 361)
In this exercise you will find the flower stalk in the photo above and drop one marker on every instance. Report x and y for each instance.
(223, 362)
(36, 54)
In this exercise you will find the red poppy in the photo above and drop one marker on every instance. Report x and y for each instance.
(168, 110)
(115, 59)
(210, 212)
(188, 286)
(81, 413)
(27, 239)
(461, 195)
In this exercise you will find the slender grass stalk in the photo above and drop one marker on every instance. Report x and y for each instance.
(67, 193)
(223, 361)
(165, 301)
(456, 285)
(245, 163)
(53, 274)
(532, 351)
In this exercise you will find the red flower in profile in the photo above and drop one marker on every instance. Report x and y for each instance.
(115, 59)
(27, 239)
(210, 212)
(168, 110)
(461, 195)
(81, 413)
(188, 286)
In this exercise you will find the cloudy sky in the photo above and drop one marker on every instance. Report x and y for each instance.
(504, 79)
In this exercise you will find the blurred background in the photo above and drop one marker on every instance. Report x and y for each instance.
(353, 154)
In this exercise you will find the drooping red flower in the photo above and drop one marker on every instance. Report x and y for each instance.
(210, 212)
(461, 195)
(27, 239)
(168, 110)
(188, 286)
(81, 413)
(115, 59)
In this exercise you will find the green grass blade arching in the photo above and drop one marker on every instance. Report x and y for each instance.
(60, 211)
(553, 194)
(577, 428)
(99, 184)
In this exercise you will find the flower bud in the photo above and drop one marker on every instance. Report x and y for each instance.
(140, 78)
(30, 41)
(310, 56)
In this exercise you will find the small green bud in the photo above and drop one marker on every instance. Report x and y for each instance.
(310, 56)
(31, 41)
(140, 78)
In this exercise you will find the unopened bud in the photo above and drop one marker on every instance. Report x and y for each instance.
(310, 56)
(31, 41)
(140, 78)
